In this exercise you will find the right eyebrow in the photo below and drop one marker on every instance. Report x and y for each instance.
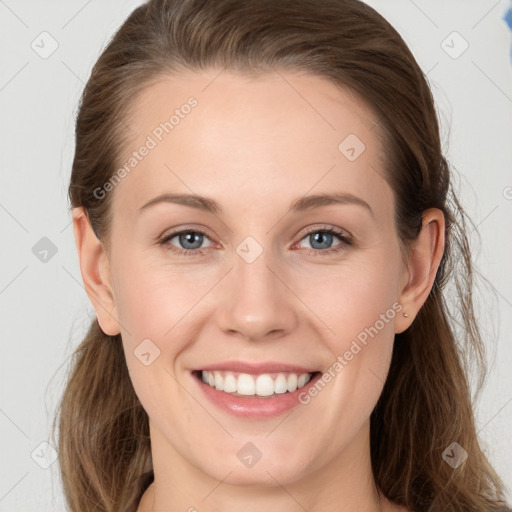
(191, 200)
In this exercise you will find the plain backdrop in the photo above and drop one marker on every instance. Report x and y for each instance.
(464, 48)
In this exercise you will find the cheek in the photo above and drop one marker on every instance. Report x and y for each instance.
(357, 305)
(151, 298)
(352, 296)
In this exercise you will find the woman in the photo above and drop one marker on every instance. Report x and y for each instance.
(266, 227)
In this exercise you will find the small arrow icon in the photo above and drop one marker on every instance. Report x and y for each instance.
(44, 455)
(44, 44)
(249, 455)
(44, 250)
(249, 249)
(146, 352)
(351, 147)
(454, 45)
(454, 455)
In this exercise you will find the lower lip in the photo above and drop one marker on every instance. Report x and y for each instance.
(255, 407)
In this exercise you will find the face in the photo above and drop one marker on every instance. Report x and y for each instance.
(261, 281)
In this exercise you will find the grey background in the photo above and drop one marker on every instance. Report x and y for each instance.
(44, 308)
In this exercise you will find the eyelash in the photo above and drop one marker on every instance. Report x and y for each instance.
(344, 238)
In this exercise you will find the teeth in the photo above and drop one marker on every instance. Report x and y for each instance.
(264, 385)
(250, 385)
(292, 382)
(301, 380)
(245, 385)
(219, 381)
(229, 383)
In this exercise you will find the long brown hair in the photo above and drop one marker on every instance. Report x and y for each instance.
(426, 404)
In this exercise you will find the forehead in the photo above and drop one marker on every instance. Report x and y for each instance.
(277, 135)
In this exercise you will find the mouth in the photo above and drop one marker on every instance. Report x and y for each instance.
(255, 386)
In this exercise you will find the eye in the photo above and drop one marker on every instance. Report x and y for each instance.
(190, 240)
(320, 240)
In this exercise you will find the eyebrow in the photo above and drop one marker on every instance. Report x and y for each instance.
(299, 205)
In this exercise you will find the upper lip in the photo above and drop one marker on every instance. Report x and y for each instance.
(256, 368)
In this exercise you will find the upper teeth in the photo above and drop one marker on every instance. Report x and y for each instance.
(264, 384)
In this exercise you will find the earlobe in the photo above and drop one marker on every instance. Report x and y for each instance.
(424, 259)
(94, 267)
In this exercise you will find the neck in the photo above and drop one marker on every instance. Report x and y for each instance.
(345, 483)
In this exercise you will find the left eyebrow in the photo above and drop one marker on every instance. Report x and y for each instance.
(314, 201)
(302, 204)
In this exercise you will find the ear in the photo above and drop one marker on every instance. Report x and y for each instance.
(95, 270)
(424, 259)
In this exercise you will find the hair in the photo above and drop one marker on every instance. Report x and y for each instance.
(426, 404)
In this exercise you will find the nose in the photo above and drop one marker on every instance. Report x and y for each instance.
(257, 302)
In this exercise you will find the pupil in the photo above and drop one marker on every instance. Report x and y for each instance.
(185, 239)
(321, 235)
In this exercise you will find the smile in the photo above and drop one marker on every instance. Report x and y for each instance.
(254, 396)
(262, 385)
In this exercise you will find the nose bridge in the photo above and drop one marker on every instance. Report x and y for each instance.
(256, 302)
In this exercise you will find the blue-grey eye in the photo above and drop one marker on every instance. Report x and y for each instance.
(190, 239)
(322, 238)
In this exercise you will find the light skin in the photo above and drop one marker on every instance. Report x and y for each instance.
(255, 145)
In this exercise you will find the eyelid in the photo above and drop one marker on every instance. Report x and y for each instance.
(186, 228)
(343, 233)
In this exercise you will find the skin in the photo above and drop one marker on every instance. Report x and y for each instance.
(255, 145)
